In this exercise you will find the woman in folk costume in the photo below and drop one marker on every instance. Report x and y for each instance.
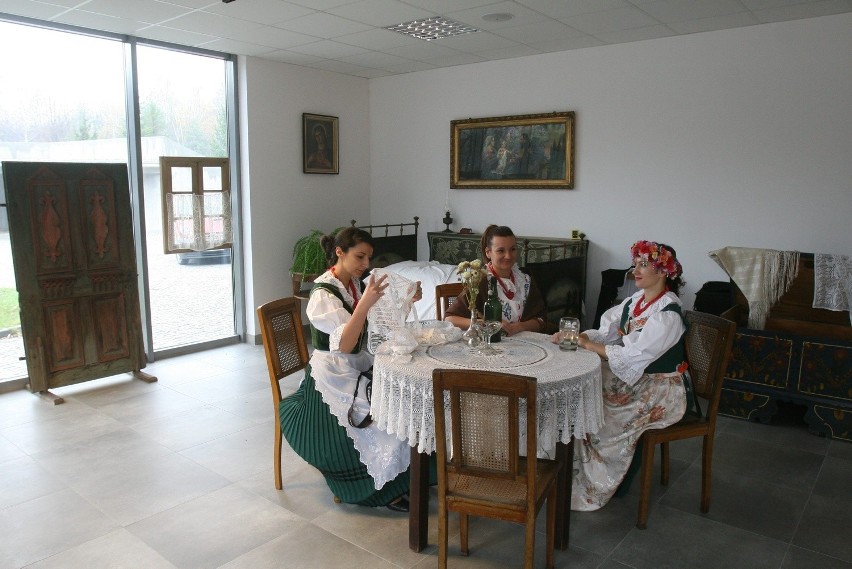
(523, 305)
(643, 363)
(322, 421)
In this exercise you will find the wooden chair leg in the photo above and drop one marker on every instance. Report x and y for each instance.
(463, 529)
(664, 463)
(279, 484)
(645, 482)
(529, 540)
(706, 472)
(442, 535)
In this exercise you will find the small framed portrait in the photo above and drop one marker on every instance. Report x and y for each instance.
(319, 144)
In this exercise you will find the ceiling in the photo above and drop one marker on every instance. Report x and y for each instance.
(348, 36)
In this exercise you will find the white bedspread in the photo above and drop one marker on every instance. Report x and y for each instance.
(430, 274)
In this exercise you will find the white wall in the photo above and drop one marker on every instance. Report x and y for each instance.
(280, 203)
(738, 137)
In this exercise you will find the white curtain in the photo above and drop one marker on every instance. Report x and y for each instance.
(198, 221)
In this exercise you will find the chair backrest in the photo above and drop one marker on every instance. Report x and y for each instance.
(484, 423)
(283, 340)
(708, 342)
(445, 295)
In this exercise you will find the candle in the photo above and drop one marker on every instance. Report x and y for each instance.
(447, 201)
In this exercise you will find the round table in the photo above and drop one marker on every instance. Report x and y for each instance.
(568, 400)
(568, 387)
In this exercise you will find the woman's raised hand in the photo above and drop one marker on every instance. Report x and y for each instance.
(418, 293)
(374, 291)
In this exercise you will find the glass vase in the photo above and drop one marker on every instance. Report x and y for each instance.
(473, 335)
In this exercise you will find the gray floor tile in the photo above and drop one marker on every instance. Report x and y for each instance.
(752, 458)
(129, 477)
(117, 549)
(675, 540)
(755, 505)
(77, 424)
(48, 525)
(305, 546)
(215, 529)
(835, 479)
(8, 450)
(825, 527)
(23, 479)
(239, 455)
(194, 427)
(222, 386)
(798, 558)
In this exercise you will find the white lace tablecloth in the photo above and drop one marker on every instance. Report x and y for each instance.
(568, 398)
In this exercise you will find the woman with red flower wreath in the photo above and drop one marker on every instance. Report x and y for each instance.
(640, 343)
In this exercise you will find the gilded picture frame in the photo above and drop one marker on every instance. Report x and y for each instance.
(319, 144)
(522, 151)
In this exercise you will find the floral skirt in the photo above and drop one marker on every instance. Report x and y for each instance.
(602, 459)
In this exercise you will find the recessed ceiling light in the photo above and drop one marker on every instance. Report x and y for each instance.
(432, 28)
(498, 17)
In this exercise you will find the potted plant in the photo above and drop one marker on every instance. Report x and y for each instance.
(308, 260)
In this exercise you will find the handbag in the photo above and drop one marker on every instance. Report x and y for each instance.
(368, 388)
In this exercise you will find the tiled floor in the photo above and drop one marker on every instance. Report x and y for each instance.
(178, 474)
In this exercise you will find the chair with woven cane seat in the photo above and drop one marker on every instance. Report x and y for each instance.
(708, 348)
(286, 353)
(487, 476)
(445, 295)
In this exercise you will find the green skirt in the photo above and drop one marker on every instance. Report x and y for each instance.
(314, 433)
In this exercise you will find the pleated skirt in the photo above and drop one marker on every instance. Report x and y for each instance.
(314, 433)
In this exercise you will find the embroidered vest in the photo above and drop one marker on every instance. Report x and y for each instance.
(319, 339)
(675, 355)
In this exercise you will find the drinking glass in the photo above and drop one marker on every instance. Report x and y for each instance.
(489, 328)
(569, 333)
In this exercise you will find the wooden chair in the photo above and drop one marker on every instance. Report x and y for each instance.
(708, 348)
(286, 353)
(445, 295)
(487, 476)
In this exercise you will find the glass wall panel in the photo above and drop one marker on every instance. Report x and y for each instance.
(182, 98)
(61, 100)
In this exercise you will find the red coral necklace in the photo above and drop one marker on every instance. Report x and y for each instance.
(642, 305)
(350, 286)
(510, 294)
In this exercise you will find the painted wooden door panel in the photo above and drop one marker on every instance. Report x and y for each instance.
(70, 227)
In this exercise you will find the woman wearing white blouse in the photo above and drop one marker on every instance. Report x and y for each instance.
(643, 366)
(327, 420)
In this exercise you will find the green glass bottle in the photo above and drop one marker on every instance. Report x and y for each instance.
(493, 309)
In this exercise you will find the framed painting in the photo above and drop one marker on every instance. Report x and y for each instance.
(523, 151)
(319, 144)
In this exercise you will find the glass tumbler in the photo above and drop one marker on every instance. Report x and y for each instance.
(569, 333)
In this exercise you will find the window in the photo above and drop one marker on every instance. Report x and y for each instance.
(197, 204)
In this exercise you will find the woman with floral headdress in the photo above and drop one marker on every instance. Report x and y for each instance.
(643, 366)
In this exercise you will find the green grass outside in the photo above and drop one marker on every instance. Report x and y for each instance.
(9, 315)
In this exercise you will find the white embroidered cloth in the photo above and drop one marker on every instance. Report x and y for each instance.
(390, 311)
(833, 282)
(569, 399)
(763, 276)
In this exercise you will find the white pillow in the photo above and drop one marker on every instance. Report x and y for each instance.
(430, 274)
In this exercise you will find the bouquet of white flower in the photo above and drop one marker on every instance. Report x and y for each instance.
(471, 274)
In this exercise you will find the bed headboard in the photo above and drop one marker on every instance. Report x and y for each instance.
(392, 242)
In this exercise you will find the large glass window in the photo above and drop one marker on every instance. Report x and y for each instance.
(182, 101)
(62, 99)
